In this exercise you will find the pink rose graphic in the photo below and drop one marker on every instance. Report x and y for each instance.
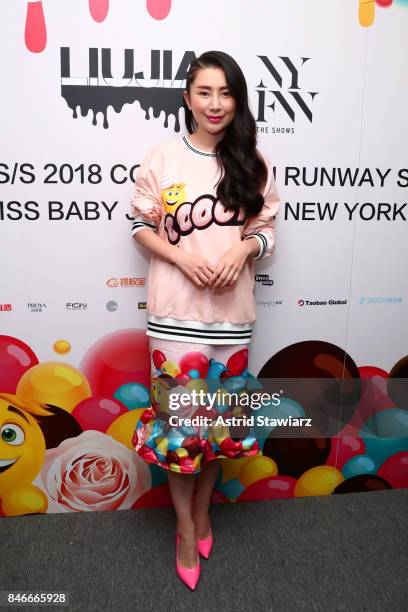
(92, 472)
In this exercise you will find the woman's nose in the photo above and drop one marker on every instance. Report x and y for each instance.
(215, 102)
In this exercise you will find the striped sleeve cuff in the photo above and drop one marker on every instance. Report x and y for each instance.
(263, 243)
(140, 222)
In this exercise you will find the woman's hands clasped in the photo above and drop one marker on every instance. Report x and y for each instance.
(224, 273)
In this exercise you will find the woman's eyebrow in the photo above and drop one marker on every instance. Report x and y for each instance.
(207, 87)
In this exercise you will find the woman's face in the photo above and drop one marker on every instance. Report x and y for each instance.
(210, 97)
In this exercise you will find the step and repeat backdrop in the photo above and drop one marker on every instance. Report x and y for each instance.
(87, 88)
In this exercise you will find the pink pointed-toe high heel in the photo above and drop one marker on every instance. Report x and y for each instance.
(190, 576)
(205, 545)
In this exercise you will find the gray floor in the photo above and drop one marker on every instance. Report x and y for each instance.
(340, 552)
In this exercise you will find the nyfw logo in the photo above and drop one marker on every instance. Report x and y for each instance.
(286, 92)
(159, 86)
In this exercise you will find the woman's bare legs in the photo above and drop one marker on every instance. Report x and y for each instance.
(201, 501)
(192, 512)
(181, 490)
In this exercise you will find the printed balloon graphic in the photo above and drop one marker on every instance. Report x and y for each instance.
(374, 394)
(16, 357)
(272, 487)
(61, 347)
(361, 483)
(157, 497)
(192, 361)
(117, 359)
(395, 470)
(321, 377)
(385, 434)
(285, 409)
(360, 464)
(343, 448)
(297, 450)
(54, 382)
(122, 429)
(256, 468)
(98, 413)
(320, 480)
(230, 468)
(397, 383)
(133, 395)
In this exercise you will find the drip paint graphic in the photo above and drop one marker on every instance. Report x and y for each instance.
(94, 93)
(35, 35)
(98, 99)
(158, 9)
(99, 9)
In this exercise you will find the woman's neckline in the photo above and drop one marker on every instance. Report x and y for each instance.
(196, 150)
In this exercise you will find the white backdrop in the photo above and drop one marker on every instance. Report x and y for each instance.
(344, 115)
(359, 122)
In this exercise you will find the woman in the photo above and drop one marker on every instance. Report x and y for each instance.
(203, 235)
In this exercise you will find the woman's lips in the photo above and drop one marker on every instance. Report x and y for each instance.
(214, 119)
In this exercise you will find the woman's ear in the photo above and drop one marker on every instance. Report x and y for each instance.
(186, 98)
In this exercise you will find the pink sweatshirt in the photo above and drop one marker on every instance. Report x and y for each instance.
(175, 196)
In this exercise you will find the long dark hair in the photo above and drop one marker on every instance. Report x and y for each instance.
(245, 172)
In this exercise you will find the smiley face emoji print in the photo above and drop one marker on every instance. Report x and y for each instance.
(173, 194)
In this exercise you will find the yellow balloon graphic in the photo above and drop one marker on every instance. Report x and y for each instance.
(198, 384)
(255, 468)
(319, 480)
(122, 428)
(53, 382)
(171, 368)
(230, 468)
(61, 347)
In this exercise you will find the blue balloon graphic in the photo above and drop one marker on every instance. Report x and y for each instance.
(232, 488)
(234, 384)
(385, 433)
(390, 423)
(287, 408)
(159, 475)
(253, 383)
(133, 395)
(194, 373)
(215, 369)
(360, 464)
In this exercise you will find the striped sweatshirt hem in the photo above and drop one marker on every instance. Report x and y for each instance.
(168, 328)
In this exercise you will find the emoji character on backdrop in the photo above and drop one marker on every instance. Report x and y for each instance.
(173, 195)
(22, 454)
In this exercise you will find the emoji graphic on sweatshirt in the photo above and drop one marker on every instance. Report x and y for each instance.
(173, 194)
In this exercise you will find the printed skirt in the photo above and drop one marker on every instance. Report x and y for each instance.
(195, 414)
